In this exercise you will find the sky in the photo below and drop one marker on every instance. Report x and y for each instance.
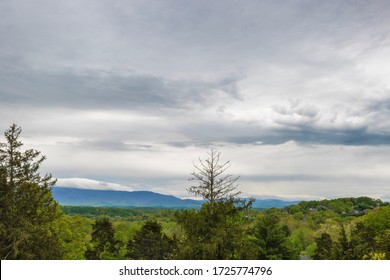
(129, 94)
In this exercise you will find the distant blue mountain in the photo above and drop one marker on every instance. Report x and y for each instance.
(270, 203)
(108, 198)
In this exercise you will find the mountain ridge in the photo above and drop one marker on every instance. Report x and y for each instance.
(72, 196)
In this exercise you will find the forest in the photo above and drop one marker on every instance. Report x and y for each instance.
(34, 226)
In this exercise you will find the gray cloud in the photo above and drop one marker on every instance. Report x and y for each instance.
(106, 90)
(381, 104)
(114, 146)
(157, 83)
(309, 135)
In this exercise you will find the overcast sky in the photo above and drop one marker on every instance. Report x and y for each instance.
(126, 94)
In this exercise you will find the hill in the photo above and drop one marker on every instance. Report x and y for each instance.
(108, 198)
(270, 203)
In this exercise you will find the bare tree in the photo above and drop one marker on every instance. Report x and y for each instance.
(214, 183)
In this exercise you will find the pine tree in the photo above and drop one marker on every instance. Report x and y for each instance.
(342, 248)
(272, 239)
(150, 243)
(324, 250)
(27, 209)
(103, 244)
(219, 234)
(22, 166)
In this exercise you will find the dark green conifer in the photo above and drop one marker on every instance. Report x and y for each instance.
(27, 209)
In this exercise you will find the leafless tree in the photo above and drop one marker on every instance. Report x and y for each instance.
(214, 184)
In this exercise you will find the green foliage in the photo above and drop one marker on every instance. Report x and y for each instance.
(218, 230)
(125, 230)
(129, 214)
(233, 231)
(21, 166)
(370, 237)
(150, 243)
(74, 232)
(362, 241)
(324, 250)
(28, 212)
(343, 249)
(103, 244)
(272, 239)
(341, 206)
(378, 220)
(382, 241)
(215, 232)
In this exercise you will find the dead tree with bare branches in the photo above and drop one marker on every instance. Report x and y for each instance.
(214, 184)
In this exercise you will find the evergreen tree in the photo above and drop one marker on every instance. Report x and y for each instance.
(218, 234)
(27, 209)
(150, 243)
(342, 248)
(22, 166)
(324, 250)
(272, 239)
(103, 244)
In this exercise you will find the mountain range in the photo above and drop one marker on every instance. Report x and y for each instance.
(110, 198)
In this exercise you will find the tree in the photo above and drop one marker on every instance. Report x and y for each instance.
(324, 250)
(272, 239)
(218, 230)
(370, 236)
(213, 182)
(383, 244)
(22, 166)
(103, 244)
(342, 248)
(221, 234)
(150, 243)
(27, 209)
(74, 234)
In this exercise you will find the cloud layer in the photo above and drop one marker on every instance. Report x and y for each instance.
(133, 92)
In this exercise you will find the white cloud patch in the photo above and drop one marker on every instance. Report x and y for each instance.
(88, 184)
